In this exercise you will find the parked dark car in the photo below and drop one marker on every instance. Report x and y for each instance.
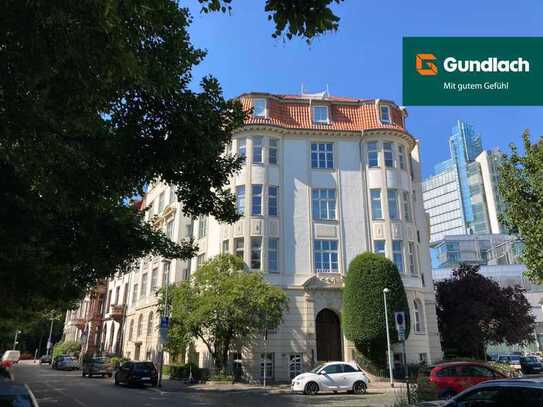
(16, 395)
(530, 365)
(137, 373)
(497, 393)
(100, 366)
(45, 359)
(451, 378)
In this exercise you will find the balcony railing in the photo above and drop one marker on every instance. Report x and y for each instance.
(116, 312)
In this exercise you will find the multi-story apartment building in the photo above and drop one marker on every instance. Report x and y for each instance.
(324, 180)
(462, 197)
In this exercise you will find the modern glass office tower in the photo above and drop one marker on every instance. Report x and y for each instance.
(461, 197)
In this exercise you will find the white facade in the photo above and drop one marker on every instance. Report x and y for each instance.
(323, 219)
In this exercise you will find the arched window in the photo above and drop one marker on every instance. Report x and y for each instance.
(131, 330)
(419, 315)
(140, 325)
(150, 324)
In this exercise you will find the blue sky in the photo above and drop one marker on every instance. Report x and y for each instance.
(363, 59)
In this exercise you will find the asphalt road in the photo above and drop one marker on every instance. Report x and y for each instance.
(55, 388)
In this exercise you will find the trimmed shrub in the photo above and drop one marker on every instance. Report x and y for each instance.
(116, 361)
(363, 307)
(66, 348)
(182, 372)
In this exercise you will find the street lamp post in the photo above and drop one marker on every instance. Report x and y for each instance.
(385, 292)
(17, 332)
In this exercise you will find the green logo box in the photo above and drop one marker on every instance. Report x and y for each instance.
(473, 71)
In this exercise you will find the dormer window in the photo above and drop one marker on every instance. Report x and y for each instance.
(385, 114)
(259, 107)
(320, 114)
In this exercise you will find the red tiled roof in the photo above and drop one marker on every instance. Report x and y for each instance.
(345, 114)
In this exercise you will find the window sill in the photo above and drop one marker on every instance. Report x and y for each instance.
(322, 169)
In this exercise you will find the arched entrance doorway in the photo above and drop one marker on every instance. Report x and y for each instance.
(328, 336)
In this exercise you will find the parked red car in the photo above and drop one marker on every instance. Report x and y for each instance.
(452, 378)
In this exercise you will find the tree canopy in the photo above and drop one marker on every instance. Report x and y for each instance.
(474, 311)
(95, 105)
(221, 304)
(521, 187)
(363, 304)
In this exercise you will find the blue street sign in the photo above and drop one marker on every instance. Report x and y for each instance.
(164, 322)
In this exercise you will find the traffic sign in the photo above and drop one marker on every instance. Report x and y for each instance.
(164, 322)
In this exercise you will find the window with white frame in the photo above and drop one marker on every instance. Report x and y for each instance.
(202, 227)
(373, 155)
(240, 199)
(412, 258)
(273, 192)
(273, 151)
(257, 149)
(200, 260)
(143, 292)
(256, 200)
(259, 107)
(379, 247)
(226, 246)
(419, 316)
(397, 254)
(406, 206)
(173, 195)
(273, 255)
(393, 212)
(320, 114)
(295, 364)
(401, 156)
(322, 155)
(385, 114)
(150, 323)
(389, 155)
(267, 363)
(139, 330)
(376, 208)
(325, 256)
(165, 273)
(324, 203)
(169, 229)
(131, 330)
(242, 147)
(239, 247)
(256, 253)
(154, 280)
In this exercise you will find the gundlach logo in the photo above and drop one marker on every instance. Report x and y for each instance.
(425, 67)
(472, 71)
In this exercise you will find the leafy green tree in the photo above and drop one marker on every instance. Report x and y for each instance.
(66, 348)
(363, 304)
(474, 311)
(222, 303)
(521, 187)
(95, 104)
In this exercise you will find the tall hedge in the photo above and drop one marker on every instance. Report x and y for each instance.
(363, 306)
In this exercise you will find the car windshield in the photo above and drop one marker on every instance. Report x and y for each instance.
(529, 359)
(515, 359)
(100, 360)
(319, 367)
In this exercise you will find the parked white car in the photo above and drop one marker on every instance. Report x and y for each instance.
(332, 376)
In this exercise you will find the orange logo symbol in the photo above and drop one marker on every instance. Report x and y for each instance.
(424, 67)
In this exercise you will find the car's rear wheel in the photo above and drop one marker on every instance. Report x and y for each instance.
(359, 387)
(109, 375)
(90, 375)
(116, 381)
(311, 388)
(83, 373)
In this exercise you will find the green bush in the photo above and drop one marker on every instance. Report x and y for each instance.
(504, 368)
(66, 348)
(363, 307)
(116, 361)
(182, 372)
